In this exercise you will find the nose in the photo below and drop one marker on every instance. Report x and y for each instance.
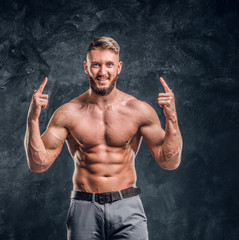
(102, 70)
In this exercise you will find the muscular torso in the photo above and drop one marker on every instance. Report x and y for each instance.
(103, 143)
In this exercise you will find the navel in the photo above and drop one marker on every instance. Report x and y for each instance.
(107, 175)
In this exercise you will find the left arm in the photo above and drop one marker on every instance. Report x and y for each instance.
(170, 154)
(165, 146)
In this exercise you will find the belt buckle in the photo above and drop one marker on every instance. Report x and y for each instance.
(103, 198)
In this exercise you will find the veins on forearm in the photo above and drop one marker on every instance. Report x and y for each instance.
(168, 153)
(171, 149)
(38, 156)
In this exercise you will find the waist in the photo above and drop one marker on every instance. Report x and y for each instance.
(106, 197)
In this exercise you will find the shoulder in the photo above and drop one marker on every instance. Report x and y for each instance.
(71, 107)
(65, 112)
(130, 101)
(142, 111)
(140, 106)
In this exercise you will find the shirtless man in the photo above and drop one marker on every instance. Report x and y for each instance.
(103, 129)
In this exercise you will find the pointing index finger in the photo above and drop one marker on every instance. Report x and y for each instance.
(165, 86)
(41, 88)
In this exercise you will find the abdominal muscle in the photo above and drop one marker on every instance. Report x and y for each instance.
(104, 169)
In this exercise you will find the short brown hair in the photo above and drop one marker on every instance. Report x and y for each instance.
(104, 43)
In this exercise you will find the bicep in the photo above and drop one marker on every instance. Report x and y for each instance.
(55, 135)
(153, 134)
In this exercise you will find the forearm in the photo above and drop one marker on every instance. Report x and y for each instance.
(36, 152)
(170, 152)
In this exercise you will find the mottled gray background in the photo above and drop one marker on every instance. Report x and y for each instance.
(192, 44)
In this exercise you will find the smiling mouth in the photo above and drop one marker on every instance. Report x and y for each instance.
(102, 80)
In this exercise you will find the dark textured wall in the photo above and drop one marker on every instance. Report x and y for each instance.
(192, 44)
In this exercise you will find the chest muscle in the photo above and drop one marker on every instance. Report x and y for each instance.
(112, 128)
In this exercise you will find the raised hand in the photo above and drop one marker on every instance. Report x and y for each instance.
(39, 101)
(167, 101)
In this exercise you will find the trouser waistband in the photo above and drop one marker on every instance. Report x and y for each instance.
(106, 197)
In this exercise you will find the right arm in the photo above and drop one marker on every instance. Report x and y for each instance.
(42, 150)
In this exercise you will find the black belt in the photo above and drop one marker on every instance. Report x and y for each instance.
(105, 197)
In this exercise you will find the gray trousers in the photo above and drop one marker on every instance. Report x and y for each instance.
(122, 219)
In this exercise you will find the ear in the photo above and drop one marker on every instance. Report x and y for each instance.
(86, 67)
(120, 66)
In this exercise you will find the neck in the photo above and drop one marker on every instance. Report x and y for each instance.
(103, 101)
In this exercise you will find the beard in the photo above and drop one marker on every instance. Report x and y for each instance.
(102, 91)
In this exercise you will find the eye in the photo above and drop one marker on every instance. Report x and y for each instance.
(95, 65)
(110, 64)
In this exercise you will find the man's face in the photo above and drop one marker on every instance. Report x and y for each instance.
(102, 67)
